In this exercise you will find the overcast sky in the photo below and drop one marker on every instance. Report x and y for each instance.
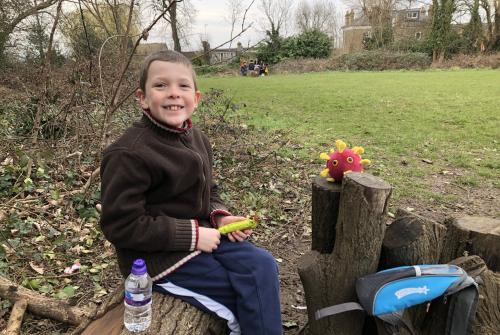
(212, 23)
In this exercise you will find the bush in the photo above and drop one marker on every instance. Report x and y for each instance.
(311, 43)
(412, 45)
(383, 60)
(209, 69)
(366, 60)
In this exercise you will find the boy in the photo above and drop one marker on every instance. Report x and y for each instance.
(160, 204)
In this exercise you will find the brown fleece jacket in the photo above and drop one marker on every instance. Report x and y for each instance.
(156, 187)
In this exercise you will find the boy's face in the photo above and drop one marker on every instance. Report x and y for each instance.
(170, 94)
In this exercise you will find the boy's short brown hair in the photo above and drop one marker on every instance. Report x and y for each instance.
(165, 56)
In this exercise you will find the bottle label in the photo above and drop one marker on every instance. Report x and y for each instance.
(136, 299)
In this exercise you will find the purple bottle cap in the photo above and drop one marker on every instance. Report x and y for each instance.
(139, 267)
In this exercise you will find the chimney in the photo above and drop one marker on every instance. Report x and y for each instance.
(347, 17)
(351, 17)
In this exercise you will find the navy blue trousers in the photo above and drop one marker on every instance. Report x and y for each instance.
(238, 282)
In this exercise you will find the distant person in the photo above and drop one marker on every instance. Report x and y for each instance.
(244, 69)
(262, 70)
(251, 66)
(266, 69)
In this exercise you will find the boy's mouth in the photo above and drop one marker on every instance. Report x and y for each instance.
(173, 107)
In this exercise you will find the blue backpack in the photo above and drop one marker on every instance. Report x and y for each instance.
(387, 293)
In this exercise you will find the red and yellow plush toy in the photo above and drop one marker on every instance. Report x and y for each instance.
(342, 161)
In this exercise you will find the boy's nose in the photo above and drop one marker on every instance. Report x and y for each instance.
(174, 92)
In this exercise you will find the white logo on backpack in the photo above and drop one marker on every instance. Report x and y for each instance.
(411, 290)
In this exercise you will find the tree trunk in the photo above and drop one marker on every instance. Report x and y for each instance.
(488, 309)
(412, 240)
(171, 316)
(325, 210)
(173, 25)
(473, 236)
(329, 279)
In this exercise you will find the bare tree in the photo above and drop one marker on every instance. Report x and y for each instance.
(237, 14)
(317, 14)
(180, 16)
(235, 8)
(12, 12)
(277, 13)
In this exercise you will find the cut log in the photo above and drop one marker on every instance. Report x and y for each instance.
(488, 309)
(325, 210)
(329, 279)
(40, 305)
(16, 317)
(472, 235)
(411, 240)
(170, 316)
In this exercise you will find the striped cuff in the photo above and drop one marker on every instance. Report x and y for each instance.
(195, 235)
(215, 213)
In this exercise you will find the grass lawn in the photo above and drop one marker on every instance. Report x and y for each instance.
(449, 118)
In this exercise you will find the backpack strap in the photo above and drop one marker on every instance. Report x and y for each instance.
(336, 309)
(395, 322)
(461, 311)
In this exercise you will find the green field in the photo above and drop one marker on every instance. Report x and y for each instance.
(451, 119)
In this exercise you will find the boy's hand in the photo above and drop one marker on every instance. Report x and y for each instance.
(236, 235)
(208, 239)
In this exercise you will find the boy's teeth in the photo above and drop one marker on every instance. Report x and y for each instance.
(174, 108)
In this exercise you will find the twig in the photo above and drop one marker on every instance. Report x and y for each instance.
(16, 317)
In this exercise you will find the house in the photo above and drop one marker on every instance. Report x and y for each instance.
(406, 24)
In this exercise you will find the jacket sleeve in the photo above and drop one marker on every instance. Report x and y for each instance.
(124, 221)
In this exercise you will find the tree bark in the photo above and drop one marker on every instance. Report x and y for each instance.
(170, 316)
(471, 235)
(329, 279)
(40, 305)
(487, 320)
(325, 210)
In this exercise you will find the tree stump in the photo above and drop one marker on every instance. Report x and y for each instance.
(488, 309)
(410, 240)
(473, 236)
(329, 279)
(170, 316)
(325, 210)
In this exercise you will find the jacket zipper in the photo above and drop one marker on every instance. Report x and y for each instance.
(202, 188)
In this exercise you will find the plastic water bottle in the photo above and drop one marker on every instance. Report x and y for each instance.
(138, 291)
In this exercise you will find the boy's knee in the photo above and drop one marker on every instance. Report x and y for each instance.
(266, 261)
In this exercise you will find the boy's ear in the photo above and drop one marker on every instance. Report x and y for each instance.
(197, 98)
(140, 96)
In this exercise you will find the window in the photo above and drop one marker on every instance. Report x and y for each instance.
(412, 15)
(418, 35)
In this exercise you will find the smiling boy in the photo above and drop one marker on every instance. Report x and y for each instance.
(160, 204)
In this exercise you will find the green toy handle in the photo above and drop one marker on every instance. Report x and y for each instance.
(240, 225)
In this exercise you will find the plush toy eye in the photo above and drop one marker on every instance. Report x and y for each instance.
(335, 162)
(349, 159)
